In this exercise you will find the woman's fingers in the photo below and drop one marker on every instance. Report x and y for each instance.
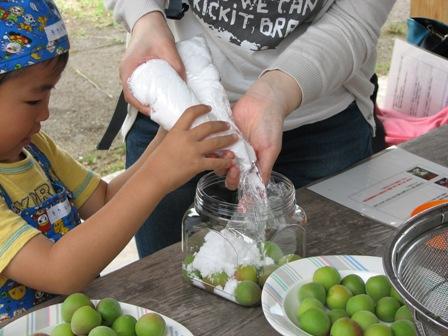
(175, 61)
(127, 66)
(129, 97)
(266, 161)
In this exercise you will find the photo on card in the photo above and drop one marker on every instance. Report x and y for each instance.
(423, 173)
(443, 182)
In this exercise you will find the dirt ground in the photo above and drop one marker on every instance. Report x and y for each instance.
(84, 100)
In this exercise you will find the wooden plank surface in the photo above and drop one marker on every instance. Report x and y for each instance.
(434, 9)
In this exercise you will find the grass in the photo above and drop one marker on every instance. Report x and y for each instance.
(91, 10)
(398, 29)
(382, 68)
(390, 32)
(104, 162)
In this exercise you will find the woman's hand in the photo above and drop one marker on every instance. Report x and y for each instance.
(185, 152)
(150, 38)
(259, 115)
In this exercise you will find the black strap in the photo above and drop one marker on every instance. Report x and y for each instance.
(121, 110)
(176, 9)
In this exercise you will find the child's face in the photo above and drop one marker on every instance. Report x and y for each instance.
(23, 106)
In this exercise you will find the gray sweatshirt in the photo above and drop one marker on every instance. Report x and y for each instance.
(328, 46)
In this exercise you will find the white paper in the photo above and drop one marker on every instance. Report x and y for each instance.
(388, 186)
(417, 83)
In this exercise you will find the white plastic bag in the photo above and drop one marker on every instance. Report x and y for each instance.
(157, 84)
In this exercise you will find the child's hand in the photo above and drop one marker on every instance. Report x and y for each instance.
(160, 135)
(185, 152)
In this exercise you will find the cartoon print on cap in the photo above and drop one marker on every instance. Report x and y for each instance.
(30, 32)
(14, 43)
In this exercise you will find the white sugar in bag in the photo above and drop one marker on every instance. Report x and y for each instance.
(204, 80)
(157, 84)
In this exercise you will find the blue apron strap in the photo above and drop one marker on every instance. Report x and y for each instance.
(176, 9)
(6, 197)
(42, 159)
(44, 163)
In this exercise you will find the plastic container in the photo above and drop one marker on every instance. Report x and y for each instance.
(219, 253)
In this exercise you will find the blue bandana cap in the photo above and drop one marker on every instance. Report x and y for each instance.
(31, 32)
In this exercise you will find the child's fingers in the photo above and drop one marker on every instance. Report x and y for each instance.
(212, 144)
(210, 127)
(221, 172)
(218, 164)
(191, 114)
(225, 154)
(232, 178)
(212, 155)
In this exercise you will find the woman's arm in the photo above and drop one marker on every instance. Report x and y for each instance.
(334, 47)
(320, 60)
(129, 12)
(105, 191)
(150, 38)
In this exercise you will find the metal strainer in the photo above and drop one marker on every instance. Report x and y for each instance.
(417, 264)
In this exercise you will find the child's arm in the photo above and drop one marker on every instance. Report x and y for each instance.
(105, 191)
(77, 258)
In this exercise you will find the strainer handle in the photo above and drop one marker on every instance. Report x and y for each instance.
(419, 325)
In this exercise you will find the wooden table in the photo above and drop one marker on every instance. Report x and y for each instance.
(155, 282)
(434, 9)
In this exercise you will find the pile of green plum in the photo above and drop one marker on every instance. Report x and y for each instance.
(249, 279)
(331, 305)
(81, 317)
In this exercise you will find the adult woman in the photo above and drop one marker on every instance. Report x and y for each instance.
(298, 73)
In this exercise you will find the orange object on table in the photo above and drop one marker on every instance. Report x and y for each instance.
(427, 205)
(439, 242)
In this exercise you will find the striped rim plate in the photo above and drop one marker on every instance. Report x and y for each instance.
(279, 297)
(45, 319)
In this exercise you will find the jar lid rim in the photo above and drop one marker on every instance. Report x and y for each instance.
(212, 204)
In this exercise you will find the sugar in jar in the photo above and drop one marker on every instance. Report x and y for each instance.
(221, 253)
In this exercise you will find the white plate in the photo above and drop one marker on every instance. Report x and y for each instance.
(279, 298)
(45, 319)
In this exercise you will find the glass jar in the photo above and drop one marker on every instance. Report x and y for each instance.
(222, 257)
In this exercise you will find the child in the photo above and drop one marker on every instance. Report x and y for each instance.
(44, 193)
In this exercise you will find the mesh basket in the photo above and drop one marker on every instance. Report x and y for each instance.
(417, 264)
